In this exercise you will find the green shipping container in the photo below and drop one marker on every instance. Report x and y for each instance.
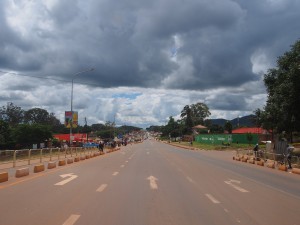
(214, 138)
(220, 139)
(245, 138)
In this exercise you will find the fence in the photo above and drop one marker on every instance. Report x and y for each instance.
(16, 158)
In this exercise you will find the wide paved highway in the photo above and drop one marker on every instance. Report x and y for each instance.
(153, 184)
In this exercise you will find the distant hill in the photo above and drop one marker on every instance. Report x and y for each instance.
(245, 121)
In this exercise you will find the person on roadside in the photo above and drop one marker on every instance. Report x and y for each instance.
(255, 150)
(289, 151)
(101, 146)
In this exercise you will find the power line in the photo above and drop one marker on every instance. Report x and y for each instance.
(26, 75)
(46, 78)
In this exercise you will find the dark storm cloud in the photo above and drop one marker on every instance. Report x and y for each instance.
(130, 43)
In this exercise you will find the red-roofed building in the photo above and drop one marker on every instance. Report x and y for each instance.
(252, 130)
(66, 137)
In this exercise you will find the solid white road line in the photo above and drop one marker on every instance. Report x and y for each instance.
(101, 188)
(72, 220)
(115, 173)
(211, 198)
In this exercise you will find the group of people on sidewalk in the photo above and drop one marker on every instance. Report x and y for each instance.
(287, 154)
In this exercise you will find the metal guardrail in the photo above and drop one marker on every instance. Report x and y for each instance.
(265, 155)
(15, 158)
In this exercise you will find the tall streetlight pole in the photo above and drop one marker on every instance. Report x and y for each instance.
(71, 122)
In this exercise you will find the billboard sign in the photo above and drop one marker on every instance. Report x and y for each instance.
(69, 118)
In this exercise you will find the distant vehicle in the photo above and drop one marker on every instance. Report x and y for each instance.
(90, 144)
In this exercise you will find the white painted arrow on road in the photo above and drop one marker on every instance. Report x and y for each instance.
(71, 177)
(230, 182)
(153, 184)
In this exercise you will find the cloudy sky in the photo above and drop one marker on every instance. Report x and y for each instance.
(151, 58)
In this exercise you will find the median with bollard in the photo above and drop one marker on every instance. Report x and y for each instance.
(268, 159)
(22, 161)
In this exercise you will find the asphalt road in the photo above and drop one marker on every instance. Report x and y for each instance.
(153, 184)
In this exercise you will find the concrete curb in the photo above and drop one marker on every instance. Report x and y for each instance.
(282, 168)
(296, 171)
(3, 177)
(39, 168)
(260, 163)
(22, 172)
(252, 161)
(51, 165)
(70, 160)
(62, 162)
(271, 164)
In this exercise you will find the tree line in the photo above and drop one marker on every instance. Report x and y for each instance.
(190, 116)
(21, 128)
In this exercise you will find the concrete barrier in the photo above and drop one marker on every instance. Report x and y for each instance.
(260, 163)
(3, 177)
(271, 164)
(82, 157)
(69, 160)
(296, 171)
(39, 168)
(245, 158)
(62, 162)
(22, 172)
(87, 156)
(282, 167)
(51, 165)
(252, 161)
(76, 159)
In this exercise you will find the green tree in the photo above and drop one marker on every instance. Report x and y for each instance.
(4, 135)
(200, 112)
(194, 114)
(172, 129)
(216, 129)
(228, 127)
(36, 116)
(282, 109)
(27, 134)
(186, 116)
(12, 114)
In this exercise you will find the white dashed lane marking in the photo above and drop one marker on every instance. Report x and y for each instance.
(115, 173)
(101, 188)
(71, 220)
(211, 198)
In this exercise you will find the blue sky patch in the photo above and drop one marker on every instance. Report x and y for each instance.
(130, 96)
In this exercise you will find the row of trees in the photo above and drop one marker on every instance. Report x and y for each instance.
(191, 115)
(21, 128)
